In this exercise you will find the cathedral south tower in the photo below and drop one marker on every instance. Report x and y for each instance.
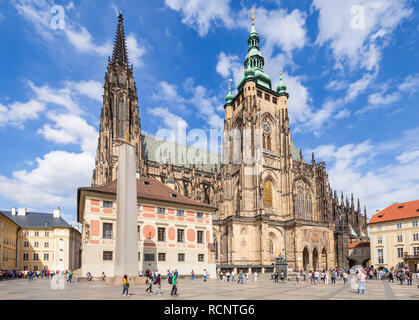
(120, 116)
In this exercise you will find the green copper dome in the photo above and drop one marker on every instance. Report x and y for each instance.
(281, 88)
(254, 62)
(229, 97)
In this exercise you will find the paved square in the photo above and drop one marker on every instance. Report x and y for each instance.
(264, 289)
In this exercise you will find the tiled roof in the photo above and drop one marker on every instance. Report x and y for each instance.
(358, 245)
(397, 211)
(148, 188)
(36, 220)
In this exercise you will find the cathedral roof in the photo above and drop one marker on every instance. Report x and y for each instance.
(150, 189)
(397, 211)
(179, 154)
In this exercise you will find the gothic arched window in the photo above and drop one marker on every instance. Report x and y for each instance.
(302, 200)
(271, 247)
(121, 118)
(267, 194)
(216, 248)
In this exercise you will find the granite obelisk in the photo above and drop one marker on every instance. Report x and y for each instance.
(126, 255)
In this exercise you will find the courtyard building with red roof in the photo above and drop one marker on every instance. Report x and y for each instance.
(394, 234)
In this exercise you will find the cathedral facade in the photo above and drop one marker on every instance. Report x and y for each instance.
(270, 200)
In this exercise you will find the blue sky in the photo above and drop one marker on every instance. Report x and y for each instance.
(351, 68)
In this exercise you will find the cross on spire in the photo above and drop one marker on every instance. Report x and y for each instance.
(120, 55)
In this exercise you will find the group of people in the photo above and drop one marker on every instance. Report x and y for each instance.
(224, 275)
(26, 274)
(324, 276)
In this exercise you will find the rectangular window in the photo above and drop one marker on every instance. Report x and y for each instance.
(25, 257)
(400, 252)
(46, 256)
(26, 233)
(36, 234)
(107, 230)
(26, 244)
(416, 251)
(274, 100)
(259, 94)
(107, 204)
(200, 236)
(379, 227)
(107, 255)
(416, 237)
(36, 244)
(149, 257)
(380, 240)
(380, 255)
(161, 234)
(180, 213)
(200, 258)
(199, 215)
(25, 268)
(399, 238)
(46, 245)
(35, 268)
(399, 225)
(267, 97)
(35, 257)
(161, 210)
(162, 257)
(415, 223)
(46, 234)
(180, 235)
(181, 257)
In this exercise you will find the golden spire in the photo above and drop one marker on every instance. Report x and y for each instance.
(253, 14)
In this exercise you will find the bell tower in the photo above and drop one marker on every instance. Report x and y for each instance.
(119, 119)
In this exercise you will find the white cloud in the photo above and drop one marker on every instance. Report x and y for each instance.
(174, 124)
(92, 89)
(359, 86)
(408, 156)
(135, 52)
(38, 13)
(200, 14)
(342, 114)
(17, 113)
(351, 169)
(410, 84)
(229, 66)
(359, 42)
(53, 182)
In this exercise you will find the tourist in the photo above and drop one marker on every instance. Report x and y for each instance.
(345, 278)
(322, 276)
(150, 285)
(193, 276)
(361, 278)
(103, 276)
(240, 277)
(409, 278)
(174, 285)
(228, 275)
(158, 284)
(333, 276)
(169, 277)
(232, 276)
(282, 276)
(125, 286)
(326, 278)
(256, 276)
(298, 277)
(70, 276)
(276, 276)
(205, 275)
(310, 277)
(316, 277)
(247, 277)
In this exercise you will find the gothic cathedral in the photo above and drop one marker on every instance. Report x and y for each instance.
(270, 200)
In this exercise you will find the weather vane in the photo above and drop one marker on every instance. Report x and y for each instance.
(253, 14)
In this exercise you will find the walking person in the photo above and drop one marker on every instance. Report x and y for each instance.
(298, 277)
(276, 276)
(326, 278)
(361, 278)
(70, 276)
(174, 285)
(240, 277)
(205, 275)
(193, 275)
(345, 278)
(333, 276)
(150, 285)
(232, 276)
(256, 276)
(158, 283)
(282, 276)
(247, 277)
(125, 286)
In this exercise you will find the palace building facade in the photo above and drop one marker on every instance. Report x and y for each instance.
(270, 200)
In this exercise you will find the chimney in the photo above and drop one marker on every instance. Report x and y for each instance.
(21, 212)
(57, 212)
(13, 211)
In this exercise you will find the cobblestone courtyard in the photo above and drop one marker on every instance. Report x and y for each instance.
(264, 289)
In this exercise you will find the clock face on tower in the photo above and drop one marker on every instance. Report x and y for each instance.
(266, 128)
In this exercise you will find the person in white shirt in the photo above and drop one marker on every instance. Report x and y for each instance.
(247, 277)
(256, 276)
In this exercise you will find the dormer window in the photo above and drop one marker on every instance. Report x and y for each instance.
(173, 195)
(146, 183)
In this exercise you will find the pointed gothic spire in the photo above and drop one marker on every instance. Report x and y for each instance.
(120, 55)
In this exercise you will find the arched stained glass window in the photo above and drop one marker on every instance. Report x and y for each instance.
(302, 200)
(121, 118)
(267, 194)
